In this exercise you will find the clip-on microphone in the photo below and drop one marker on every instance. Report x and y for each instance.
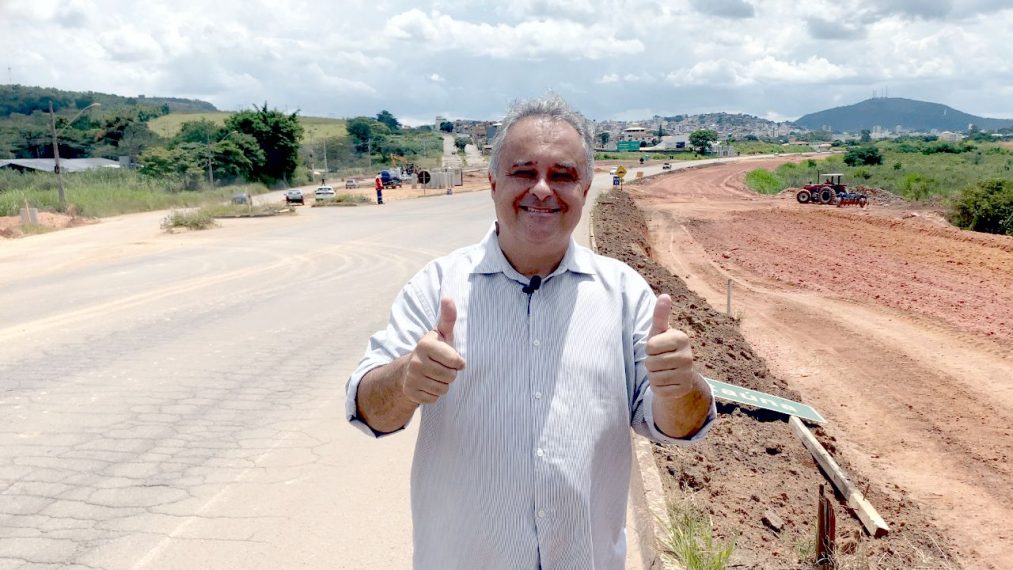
(533, 286)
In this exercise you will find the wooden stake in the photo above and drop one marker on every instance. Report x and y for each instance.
(873, 523)
(728, 311)
(826, 532)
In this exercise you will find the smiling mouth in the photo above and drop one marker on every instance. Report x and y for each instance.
(535, 210)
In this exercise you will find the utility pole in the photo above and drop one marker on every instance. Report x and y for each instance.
(56, 147)
(56, 158)
(325, 156)
(211, 174)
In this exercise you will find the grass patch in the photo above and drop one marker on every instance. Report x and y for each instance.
(35, 229)
(764, 181)
(342, 200)
(690, 541)
(760, 147)
(105, 192)
(317, 128)
(243, 210)
(321, 128)
(906, 170)
(189, 219)
(168, 125)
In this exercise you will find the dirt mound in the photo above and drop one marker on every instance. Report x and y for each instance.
(11, 227)
(751, 463)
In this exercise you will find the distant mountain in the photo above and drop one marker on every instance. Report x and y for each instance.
(24, 100)
(888, 112)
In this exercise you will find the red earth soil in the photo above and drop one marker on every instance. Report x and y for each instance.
(894, 325)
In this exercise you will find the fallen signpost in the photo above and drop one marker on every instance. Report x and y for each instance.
(741, 395)
(873, 523)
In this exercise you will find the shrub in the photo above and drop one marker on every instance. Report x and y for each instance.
(191, 219)
(985, 207)
(918, 186)
(863, 155)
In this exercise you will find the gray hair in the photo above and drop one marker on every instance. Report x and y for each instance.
(552, 107)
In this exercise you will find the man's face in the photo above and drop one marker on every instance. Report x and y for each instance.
(540, 187)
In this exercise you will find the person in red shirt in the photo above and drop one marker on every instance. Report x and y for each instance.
(379, 189)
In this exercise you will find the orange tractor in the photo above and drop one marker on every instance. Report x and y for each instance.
(830, 191)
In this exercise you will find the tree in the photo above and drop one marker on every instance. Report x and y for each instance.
(701, 139)
(277, 135)
(985, 207)
(388, 119)
(460, 143)
(604, 137)
(866, 136)
(360, 128)
(862, 156)
(447, 126)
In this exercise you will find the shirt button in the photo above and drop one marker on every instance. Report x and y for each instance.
(537, 342)
(541, 514)
(540, 453)
(538, 395)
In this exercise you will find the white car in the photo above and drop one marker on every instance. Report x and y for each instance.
(324, 193)
(614, 170)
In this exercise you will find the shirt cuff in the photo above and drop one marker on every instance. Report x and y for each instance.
(660, 437)
(351, 408)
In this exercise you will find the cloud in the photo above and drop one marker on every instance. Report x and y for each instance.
(529, 39)
(724, 8)
(129, 45)
(471, 57)
(767, 70)
(822, 29)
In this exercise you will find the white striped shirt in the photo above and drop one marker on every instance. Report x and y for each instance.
(525, 462)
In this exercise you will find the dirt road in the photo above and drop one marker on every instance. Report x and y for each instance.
(898, 328)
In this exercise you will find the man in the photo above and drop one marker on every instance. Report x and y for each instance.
(379, 188)
(531, 358)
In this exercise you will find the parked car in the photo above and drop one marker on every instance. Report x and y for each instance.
(241, 198)
(666, 166)
(390, 180)
(295, 197)
(351, 183)
(324, 193)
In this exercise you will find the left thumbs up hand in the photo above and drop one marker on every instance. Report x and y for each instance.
(669, 356)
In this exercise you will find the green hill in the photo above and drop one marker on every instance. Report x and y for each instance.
(888, 112)
(317, 128)
(25, 100)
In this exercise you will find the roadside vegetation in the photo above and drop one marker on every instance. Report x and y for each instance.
(184, 153)
(690, 541)
(188, 219)
(342, 200)
(973, 179)
(106, 192)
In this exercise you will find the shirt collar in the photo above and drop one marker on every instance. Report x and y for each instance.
(577, 259)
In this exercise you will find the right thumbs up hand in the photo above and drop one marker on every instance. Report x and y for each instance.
(434, 363)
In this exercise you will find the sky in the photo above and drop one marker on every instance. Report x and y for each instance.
(611, 59)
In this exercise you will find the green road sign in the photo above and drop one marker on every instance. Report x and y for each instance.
(749, 397)
(628, 146)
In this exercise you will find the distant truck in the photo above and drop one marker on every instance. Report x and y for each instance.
(390, 179)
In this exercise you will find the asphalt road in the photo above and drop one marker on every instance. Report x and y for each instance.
(176, 400)
(172, 401)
